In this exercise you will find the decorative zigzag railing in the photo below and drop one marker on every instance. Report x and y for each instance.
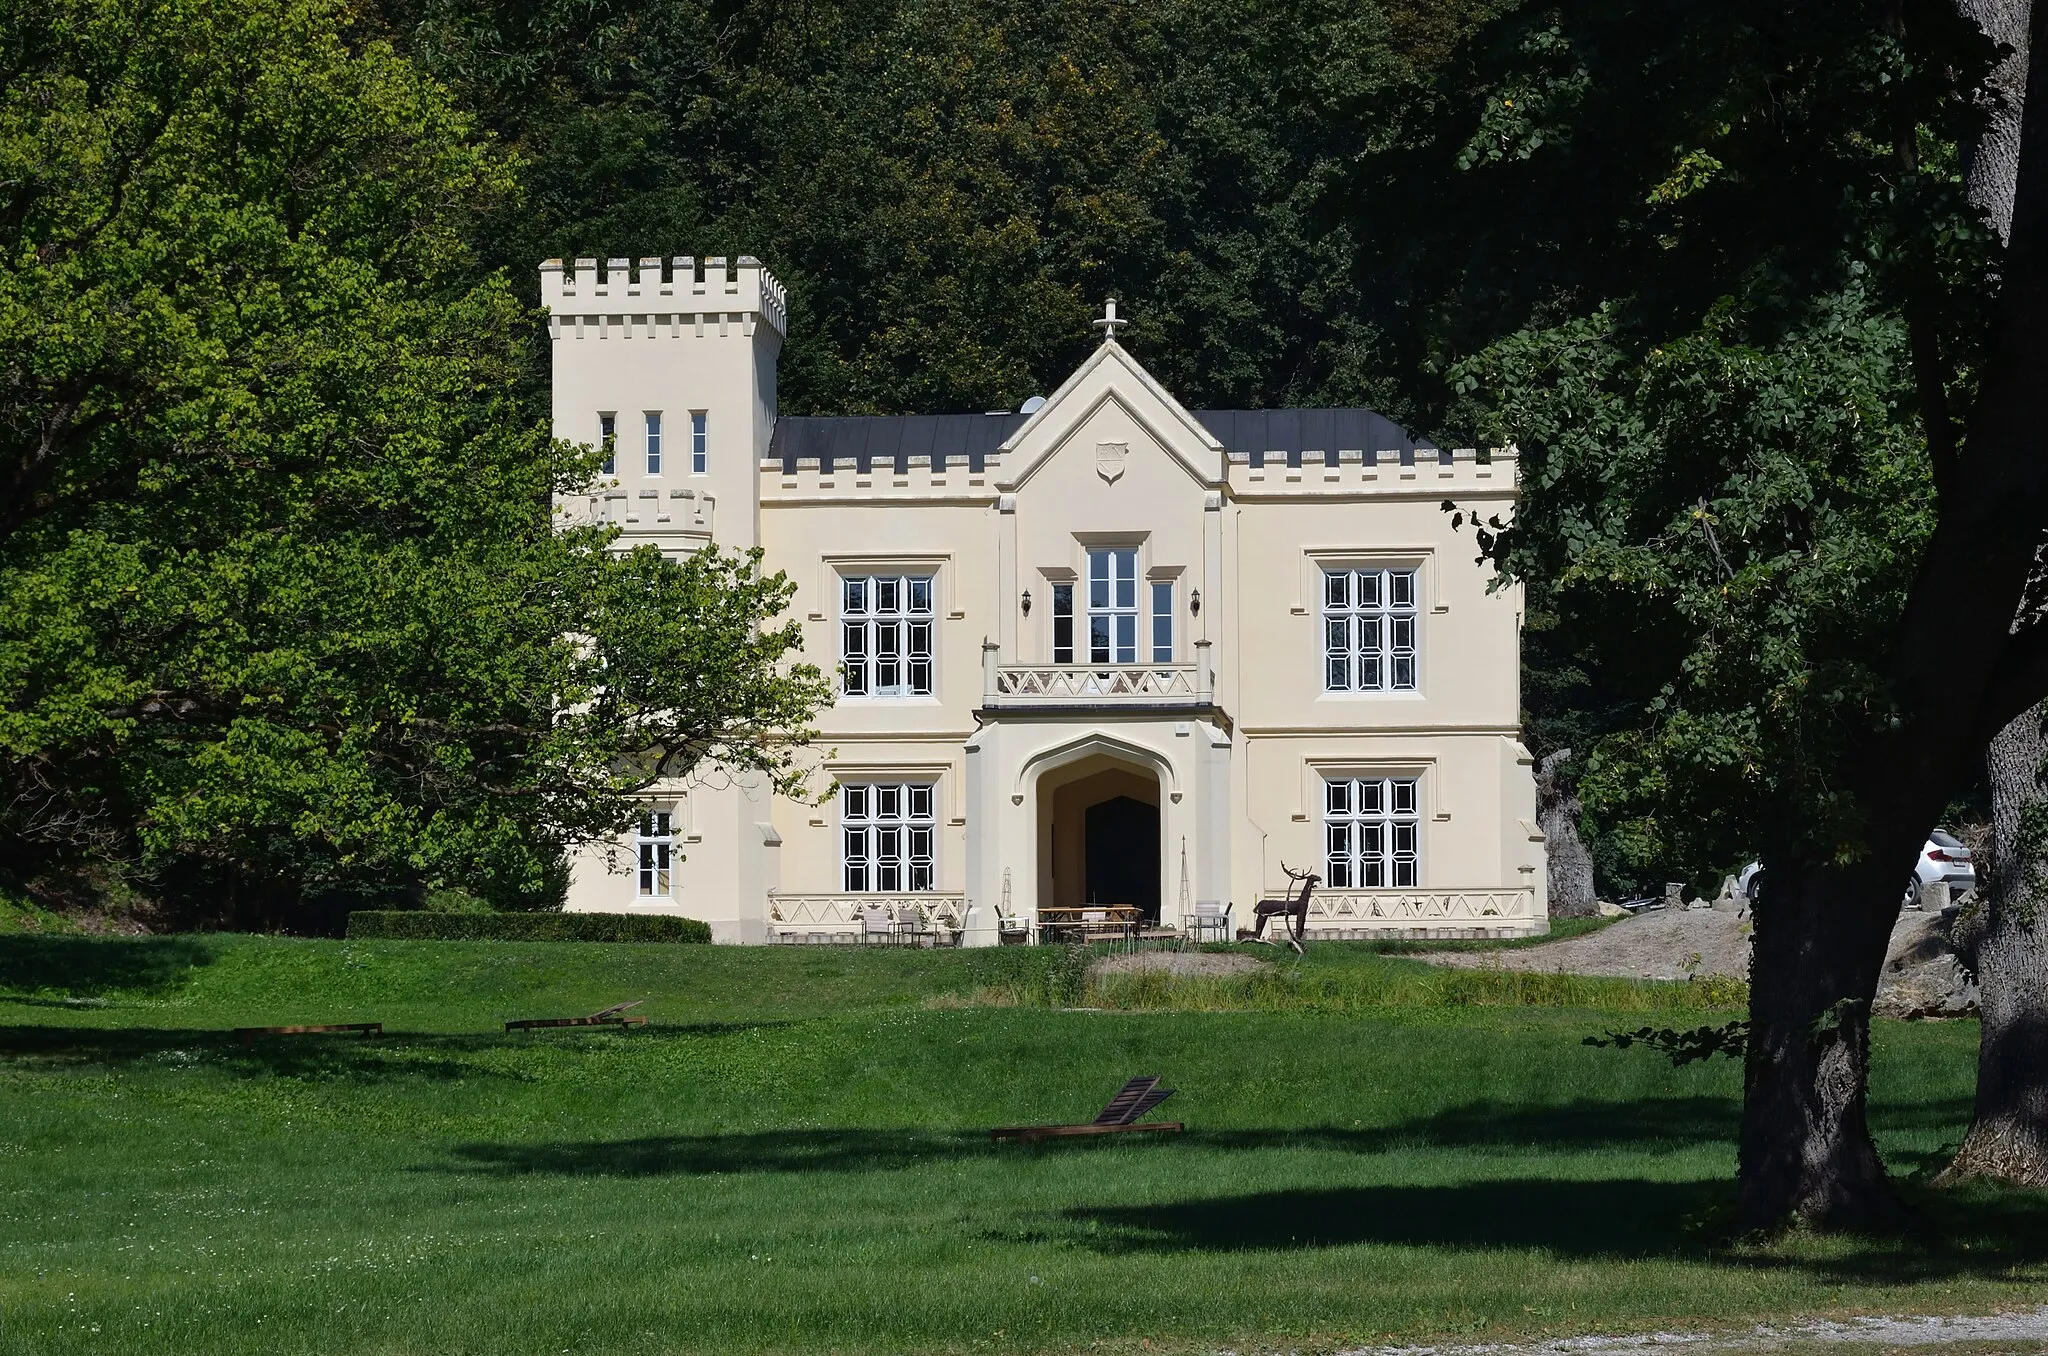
(1137, 684)
(829, 913)
(1372, 911)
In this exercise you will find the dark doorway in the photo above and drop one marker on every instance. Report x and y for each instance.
(1123, 854)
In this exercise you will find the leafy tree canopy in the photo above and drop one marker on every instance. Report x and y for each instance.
(281, 603)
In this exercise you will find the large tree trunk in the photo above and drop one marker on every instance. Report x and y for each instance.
(2008, 1137)
(1806, 1152)
(1570, 875)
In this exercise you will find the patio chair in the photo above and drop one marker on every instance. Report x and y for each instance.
(1209, 922)
(876, 925)
(1012, 929)
(1132, 1100)
(910, 928)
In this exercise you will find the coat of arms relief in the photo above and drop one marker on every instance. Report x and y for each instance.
(1109, 460)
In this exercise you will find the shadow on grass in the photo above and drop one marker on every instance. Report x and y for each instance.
(1667, 1124)
(1585, 1219)
(86, 967)
(1988, 1233)
(702, 1155)
(391, 1057)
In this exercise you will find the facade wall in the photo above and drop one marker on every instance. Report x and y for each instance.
(1231, 738)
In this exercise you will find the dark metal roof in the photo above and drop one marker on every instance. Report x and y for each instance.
(890, 439)
(1261, 433)
(896, 439)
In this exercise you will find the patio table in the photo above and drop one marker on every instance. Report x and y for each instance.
(1073, 922)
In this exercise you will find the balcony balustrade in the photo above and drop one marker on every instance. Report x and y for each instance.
(1136, 685)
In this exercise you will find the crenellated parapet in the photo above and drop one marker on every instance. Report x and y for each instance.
(661, 299)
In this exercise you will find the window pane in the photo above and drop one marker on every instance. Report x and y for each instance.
(855, 596)
(887, 594)
(1404, 796)
(1126, 638)
(1062, 600)
(1336, 588)
(1370, 794)
(856, 802)
(921, 802)
(1337, 797)
(1162, 623)
(921, 595)
(888, 802)
(1401, 585)
(1404, 672)
(1337, 673)
(1368, 588)
(1098, 640)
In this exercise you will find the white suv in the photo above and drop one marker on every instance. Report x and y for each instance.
(1943, 858)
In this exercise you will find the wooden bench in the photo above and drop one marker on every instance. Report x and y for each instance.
(1132, 1100)
(250, 1033)
(611, 1016)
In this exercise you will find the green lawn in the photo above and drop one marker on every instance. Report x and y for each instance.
(793, 1158)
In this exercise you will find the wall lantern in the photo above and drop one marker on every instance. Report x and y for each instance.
(1027, 602)
(1195, 602)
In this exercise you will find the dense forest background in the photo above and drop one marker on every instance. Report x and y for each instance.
(950, 188)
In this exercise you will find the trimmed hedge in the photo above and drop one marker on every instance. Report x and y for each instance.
(423, 925)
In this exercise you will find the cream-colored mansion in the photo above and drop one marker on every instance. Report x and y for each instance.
(1100, 649)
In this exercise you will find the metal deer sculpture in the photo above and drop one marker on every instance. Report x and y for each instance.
(1294, 910)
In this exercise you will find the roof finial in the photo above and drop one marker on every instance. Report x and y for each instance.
(1109, 324)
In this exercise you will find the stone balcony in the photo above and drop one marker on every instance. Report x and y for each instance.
(1136, 686)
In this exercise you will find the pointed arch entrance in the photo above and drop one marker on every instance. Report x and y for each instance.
(1098, 831)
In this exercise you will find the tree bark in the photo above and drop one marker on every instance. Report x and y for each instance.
(1570, 865)
(1992, 171)
(1805, 1151)
(1821, 933)
(2008, 1139)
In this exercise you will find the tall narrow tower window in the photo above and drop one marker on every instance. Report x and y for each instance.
(700, 442)
(1162, 621)
(654, 442)
(1062, 623)
(608, 443)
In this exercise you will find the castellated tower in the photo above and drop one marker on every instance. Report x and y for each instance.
(671, 365)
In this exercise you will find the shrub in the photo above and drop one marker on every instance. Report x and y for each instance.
(423, 925)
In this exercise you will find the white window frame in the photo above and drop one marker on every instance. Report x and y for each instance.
(700, 442)
(887, 636)
(1372, 832)
(1371, 628)
(653, 442)
(1113, 609)
(608, 442)
(654, 854)
(888, 837)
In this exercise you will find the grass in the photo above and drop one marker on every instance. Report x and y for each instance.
(792, 1157)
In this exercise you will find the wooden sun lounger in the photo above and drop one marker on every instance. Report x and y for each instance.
(1133, 1100)
(611, 1016)
(250, 1033)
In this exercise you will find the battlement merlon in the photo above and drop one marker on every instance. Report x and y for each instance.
(683, 285)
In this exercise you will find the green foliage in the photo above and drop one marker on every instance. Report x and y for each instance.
(951, 187)
(430, 926)
(1722, 526)
(284, 616)
(1693, 323)
(1682, 1047)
